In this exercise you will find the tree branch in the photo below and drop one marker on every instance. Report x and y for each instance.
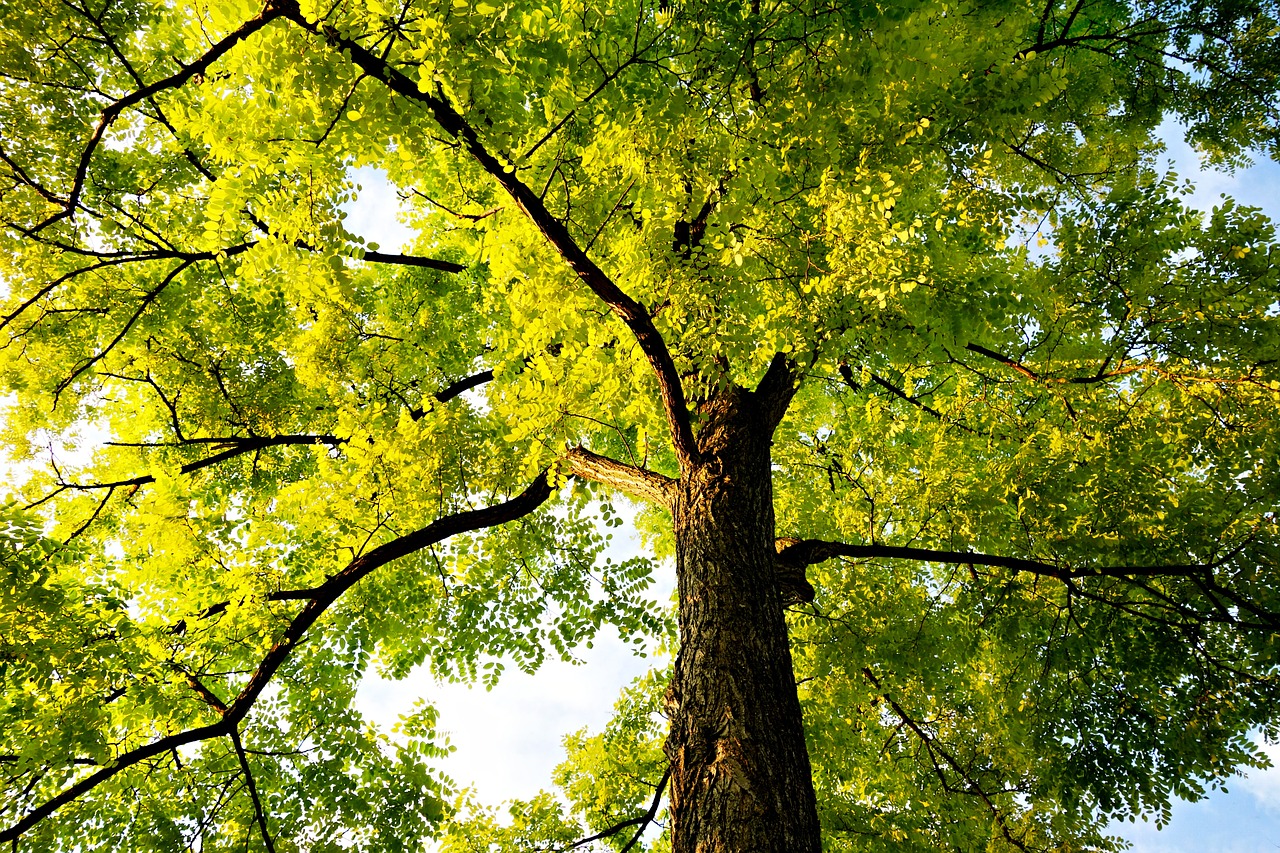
(413, 261)
(324, 596)
(630, 479)
(1100, 376)
(776, 388)
(806, 552)
(235, 447)
(253, 790)
(147, 299)
(109, 115)
(793, 586)
(934, 748)
(642, 821)
(795, 554)
(631, 312)
(462, 385)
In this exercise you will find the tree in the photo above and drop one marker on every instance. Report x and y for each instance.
(959, 425)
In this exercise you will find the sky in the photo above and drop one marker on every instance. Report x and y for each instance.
(507, 740)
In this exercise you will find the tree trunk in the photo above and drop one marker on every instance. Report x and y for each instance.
(740, 780)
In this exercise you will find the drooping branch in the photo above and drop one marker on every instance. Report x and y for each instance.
(62, 279)
(935, 751)
(150, 297)
(526, 502)
(913, 400)
(1102, 375)
(630, 311)
(230, 447)
(631, 479)
(112, 259)
(258, 812)
(322, 599)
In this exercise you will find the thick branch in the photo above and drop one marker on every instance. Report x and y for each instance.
(795, 554)
(627, 309)
(630, 479)
(413, 261)
(793, 586)
(324, 596)
(465, 384)
(776, 388)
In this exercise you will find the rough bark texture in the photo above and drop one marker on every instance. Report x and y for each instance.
(740, 776)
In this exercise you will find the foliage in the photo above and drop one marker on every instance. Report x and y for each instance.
(279, 454)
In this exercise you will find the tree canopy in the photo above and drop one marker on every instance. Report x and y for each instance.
(884, 313)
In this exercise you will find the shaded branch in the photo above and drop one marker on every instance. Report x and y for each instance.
(915, 401)
(413, 261)
(776, 388)
(463, 385)
(642, 821)
(147, 299)
(793, 586)
(206, 695)
(258, 812)
(238, 447)
(795, 554)
(688, 235)
(935, 749)
(324, 596)
(1100, 376)
(806, 552)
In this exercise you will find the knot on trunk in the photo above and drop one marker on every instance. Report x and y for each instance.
(789, 566)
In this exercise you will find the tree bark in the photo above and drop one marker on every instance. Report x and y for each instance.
(740, 777)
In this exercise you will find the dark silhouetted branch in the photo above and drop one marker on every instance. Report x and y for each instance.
(324, 596)
(631, 312)
(258, 813)
(641, 822)
(109, 115)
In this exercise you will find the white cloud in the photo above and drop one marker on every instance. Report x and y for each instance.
(1264, 785)
(507, 740)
